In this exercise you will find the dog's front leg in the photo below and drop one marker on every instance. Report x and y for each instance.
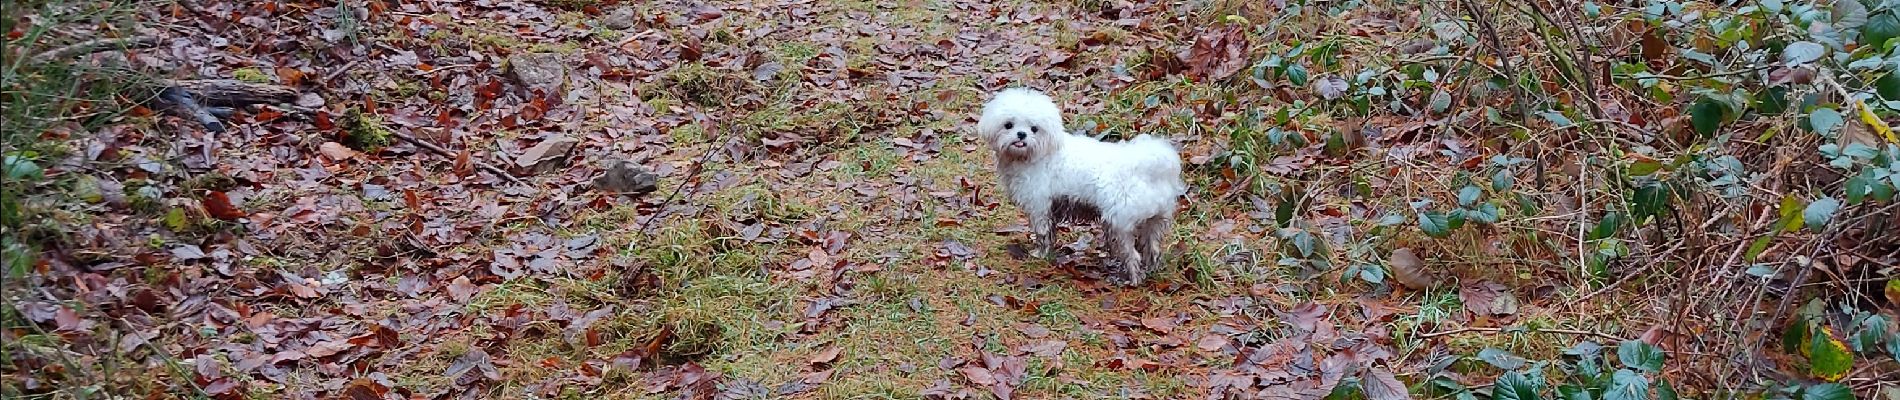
(1045, 227)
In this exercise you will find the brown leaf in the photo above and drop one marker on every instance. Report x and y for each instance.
(460, 289)
(1212, 342)
(337, 151)
(702, 13)
(827, 356)
(474, 360)
(1305, 316)
(1409, 270)
(290, 76)
(219, 206)
(1217, 55)
(365, 389)
(1487, 298)
(1159, 324)
(978, 375)
(1654, 48)
(326, 349)
(1045, 348)
(1380, 384)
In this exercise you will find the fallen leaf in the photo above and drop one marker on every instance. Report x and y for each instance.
(1159, 324)
(460, 289)
(337, 151)
(1488, 298)
(978, 375)
(219, 206)
(1409, 270)
(1380, 384)
(827, 356)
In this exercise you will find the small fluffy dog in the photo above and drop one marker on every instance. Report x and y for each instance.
(1129, 187)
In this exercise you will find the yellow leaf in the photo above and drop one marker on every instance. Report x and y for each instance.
(1867, 115)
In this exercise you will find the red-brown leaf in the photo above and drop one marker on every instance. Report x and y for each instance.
(219, 206)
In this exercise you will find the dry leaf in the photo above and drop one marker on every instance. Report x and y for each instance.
(337, 151)
(1409, 270)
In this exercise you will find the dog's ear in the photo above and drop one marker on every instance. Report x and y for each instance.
(990, 124)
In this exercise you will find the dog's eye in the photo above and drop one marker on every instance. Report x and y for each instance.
(1036, 129)
(1009, 125)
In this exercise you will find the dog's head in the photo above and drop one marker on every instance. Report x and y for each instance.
(1020, 124)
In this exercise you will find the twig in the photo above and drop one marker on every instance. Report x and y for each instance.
(1502, 330)
(94, 46)
(338, 73)
(1517, 91)
(697, 167)
(431, 147)
(1695, 77)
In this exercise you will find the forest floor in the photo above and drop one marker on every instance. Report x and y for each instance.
(825, 223)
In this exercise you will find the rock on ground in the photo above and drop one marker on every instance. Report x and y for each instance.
(546, 72)
(627, 177)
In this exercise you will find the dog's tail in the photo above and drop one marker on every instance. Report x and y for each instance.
(1163, 161)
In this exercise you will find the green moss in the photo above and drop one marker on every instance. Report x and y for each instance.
(703, 85)
(252, 75)
(364, 132)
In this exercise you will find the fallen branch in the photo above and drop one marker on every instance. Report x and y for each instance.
(438, 150)
(1502, 330)
(207, 102)
(180, 101)
(234, 93)
(94, 46)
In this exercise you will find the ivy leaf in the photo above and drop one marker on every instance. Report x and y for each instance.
(1706, 116)
(1608, 226)
(1435, 224)
(1441, 101)
(1297, 74)
(1772, 101)
(1828, 358)
(1469, 194)
(1645, 167)
(1827, 391)
(1556, 118)
(1819, 212)
(1503, 180)
(1849, 14)
(1888, 86)
(1515, 386)
(1858, 188)
(1878, 30)
(1500, 358)
(20, 168)
(1486, 213)
(1665, 391)
(1823, 120)
(1627, 385)
(1640, 355)
(1650, 201)
(1802, 52)
(1372, 274)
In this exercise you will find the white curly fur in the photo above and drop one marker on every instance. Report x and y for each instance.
(1129, 187)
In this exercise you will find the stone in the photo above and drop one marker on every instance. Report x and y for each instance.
(546, 72)
(619, 19)
(627, 177)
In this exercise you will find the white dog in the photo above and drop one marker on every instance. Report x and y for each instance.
(1129, 187)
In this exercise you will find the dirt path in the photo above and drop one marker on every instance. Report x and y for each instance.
(840, 234)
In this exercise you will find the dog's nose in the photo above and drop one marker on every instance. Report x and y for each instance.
(1022, 135)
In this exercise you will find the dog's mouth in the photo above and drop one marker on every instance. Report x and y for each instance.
(1019, 144)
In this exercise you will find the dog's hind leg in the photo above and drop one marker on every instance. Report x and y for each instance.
(1126, 250)
(1153, 234)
